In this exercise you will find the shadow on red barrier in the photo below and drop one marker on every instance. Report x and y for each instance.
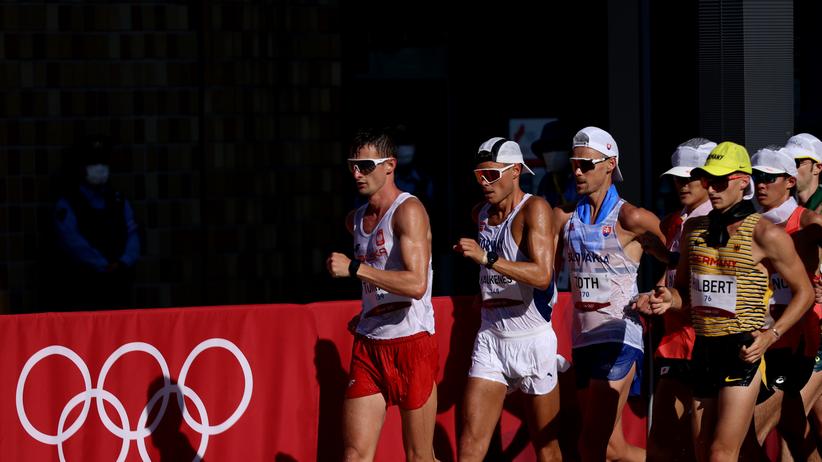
(167, 438)
(333, 380)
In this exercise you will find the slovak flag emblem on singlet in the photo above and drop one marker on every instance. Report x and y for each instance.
(380, 238)
(606, 230)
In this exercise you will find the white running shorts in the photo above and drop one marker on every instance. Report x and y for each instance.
(524, 360)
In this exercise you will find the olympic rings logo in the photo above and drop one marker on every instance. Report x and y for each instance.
(141, 431)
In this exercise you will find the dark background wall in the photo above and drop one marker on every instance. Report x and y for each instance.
(232, 119)
(226, 117)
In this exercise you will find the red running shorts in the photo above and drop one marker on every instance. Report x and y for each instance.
(403, 369)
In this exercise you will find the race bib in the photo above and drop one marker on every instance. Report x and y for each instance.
(591, 291)
(374, 297)
(781, 290)
(714, 293)
(494, 285)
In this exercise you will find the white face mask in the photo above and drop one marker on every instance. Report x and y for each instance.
(97, 174)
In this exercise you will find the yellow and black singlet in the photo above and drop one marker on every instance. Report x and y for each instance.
(729, 293)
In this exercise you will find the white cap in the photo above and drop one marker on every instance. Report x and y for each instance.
(690, 155)
(805, 146)
(501, 150)
(773, 160)
(600, 141)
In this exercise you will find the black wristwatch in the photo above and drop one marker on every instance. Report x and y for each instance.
(492, 258)
(353, 267)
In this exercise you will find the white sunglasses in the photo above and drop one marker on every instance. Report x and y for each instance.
(365, 166)
(490, 175)
(585, 164)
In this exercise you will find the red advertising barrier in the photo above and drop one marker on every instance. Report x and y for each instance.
(246, 383)
(90, 387)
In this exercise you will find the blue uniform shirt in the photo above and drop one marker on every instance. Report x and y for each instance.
(78, 247)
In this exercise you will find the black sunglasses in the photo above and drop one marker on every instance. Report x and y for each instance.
(585, 164)
(684, 179)
(719, 183)
(766, 178)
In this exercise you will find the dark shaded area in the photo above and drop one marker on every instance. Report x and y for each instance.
(442, 445)
(570, 415)
(172, 444)
(450, 390)
(232, 120)
(333, 381)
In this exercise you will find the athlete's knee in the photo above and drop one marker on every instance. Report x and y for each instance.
(550, 452)
(615, 451)
(355, 454)
(472, 447)
(721, 452)
(416, 455)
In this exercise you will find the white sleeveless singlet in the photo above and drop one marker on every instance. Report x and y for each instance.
(603, 282)
(509, 306)
(386, 315)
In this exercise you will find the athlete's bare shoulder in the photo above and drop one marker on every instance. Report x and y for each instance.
(765, 231)
(411, 209)
(536, 212)
(410, 220)
(636, 219)
(537, 204)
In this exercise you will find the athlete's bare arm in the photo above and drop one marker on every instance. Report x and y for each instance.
(664, 227)
(643, 228)
(414, 233)
(642, 303)
(772, 242)
(535, 239)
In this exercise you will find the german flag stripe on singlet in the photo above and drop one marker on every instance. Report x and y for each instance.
(734, 259)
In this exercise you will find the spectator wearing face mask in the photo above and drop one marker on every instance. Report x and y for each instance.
(96, 234)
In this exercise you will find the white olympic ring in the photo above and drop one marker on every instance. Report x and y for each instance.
(100, 394)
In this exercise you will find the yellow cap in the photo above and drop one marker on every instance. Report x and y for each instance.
(726, 158)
